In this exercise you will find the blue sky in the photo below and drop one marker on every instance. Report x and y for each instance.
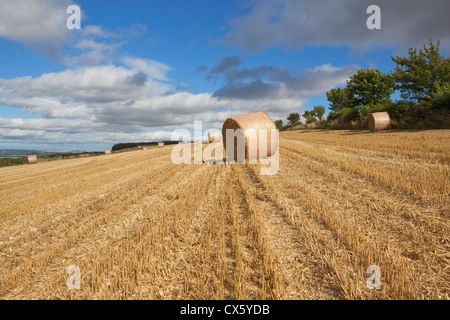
(138, 70)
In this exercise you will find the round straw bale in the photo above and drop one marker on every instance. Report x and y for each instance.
(378, 121)
(256, 121)
(160, 144)
(214, 136)
(107, 151)
(32, 159)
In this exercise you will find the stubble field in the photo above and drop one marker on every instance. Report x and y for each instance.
(140, 227)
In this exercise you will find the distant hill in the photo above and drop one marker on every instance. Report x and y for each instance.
(11, 153)
(11, 157)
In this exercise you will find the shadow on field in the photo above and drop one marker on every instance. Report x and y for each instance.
(352, 133)
(379, 132)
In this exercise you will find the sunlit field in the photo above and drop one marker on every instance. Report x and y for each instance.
(140, 227)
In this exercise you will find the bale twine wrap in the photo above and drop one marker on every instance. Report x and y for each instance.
(256, 121)
(378, 121)
(214, 136)
(32, 159)
(107, 151)
(160, 144)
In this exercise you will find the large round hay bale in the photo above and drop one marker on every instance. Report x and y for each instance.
(379, 121)
(252, 121)
(32, 159)
(214, 136)
(160, 144)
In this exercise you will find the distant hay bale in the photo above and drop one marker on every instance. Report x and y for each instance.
(107, 151)
(214, 136)
(256, 121)
(378, 121)
(32, 159)
(160, 144)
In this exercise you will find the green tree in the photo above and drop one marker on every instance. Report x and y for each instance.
(420, 75)
(294, 119)
(279, 124)
(310, 116)
(371, 86)
(319, 111)
(340, 99)
(306, 114)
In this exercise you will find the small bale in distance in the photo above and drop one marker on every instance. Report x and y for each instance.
(160, 144)
(214, 136)
(32, 159)
(108, 152)
(252, 121)
(378, 121)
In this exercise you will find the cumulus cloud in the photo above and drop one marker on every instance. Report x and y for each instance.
(88, 84)
(268, 82)
(100, 106)
(287, 24)
(104, 104)
(253, 90)
(170, 110)
(93, 52)
(151, 68)
(109, 94)
(103, 95)
(111, 104)
(39, 24)
(42, 132)
(47, 124)
(317, 81)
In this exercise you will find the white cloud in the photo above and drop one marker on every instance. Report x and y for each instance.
(111, 104)
(290, 23)
(275, 83)
(93, 52)
(39, 24)
(80, 85)
(153, 69)
(104, 104)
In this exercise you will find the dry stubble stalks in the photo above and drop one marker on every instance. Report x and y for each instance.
(140, 227)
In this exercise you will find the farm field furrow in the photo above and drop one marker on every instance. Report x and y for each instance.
(140, 227)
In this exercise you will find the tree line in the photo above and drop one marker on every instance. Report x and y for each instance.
(423, 77)
(129, 145)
